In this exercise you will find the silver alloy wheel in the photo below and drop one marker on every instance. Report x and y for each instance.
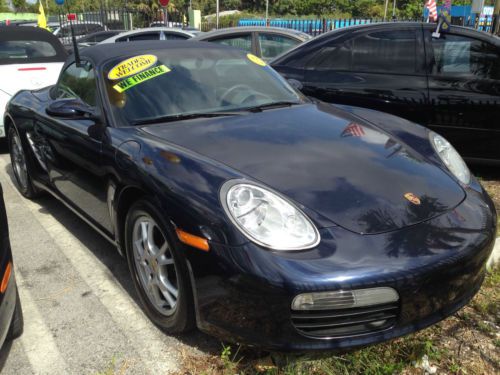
(19, 162)
(155, 265)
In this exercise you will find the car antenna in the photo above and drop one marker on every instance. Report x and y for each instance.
(73, 38)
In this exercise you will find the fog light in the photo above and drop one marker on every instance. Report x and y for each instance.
(344, 299)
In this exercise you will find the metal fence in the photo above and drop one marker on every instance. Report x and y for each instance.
(126, 18)
(114, 19)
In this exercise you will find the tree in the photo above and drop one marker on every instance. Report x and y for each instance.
(19, 5)
(3, 6)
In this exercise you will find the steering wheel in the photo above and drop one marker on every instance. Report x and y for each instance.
(241, 94)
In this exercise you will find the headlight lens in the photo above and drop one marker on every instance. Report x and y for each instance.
(451, 158)
(266, 218)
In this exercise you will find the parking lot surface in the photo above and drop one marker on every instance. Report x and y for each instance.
(80, 310)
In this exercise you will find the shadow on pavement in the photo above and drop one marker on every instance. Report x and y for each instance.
(4, 353)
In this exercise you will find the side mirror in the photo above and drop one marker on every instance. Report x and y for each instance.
(297, 85)
(70, 109)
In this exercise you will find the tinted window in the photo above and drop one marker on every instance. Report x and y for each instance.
(272, 45)
(336, 56)
(80, 29)
(143, 36)
(175, 36)
(385, 52)
(25, 49)
(243, 42)
(457, 55)
(78, 82)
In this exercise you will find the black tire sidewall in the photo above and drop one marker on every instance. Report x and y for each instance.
(28, 191)
(17, 324)
(182, 319)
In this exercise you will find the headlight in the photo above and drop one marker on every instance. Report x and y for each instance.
(450, 158)
(266, 218)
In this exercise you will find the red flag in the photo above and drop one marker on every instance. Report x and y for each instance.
(431, 5)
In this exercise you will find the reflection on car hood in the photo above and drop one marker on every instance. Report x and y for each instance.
(347, 170)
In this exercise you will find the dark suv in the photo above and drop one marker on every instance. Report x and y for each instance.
(450, 84)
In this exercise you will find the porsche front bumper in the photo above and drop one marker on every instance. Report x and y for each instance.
(244, 294)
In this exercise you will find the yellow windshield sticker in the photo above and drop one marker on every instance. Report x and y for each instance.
(130, 82)
(256, 60)
(132, 66)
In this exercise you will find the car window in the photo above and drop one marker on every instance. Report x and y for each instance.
(173, 36)
(272, 45)
(141, 36)
(25, 49)
(181, 81)
(335, 56)
(385, 52)
(241, 41)
(460, 55)
(78, 82)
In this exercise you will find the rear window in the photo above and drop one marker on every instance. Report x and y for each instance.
(25, 51)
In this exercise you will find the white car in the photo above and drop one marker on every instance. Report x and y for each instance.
(30, 58)
(153, 33)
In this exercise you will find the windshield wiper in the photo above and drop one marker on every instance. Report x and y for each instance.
(187, 116)
(262, 107)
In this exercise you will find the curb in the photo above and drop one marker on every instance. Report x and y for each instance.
(494, 258)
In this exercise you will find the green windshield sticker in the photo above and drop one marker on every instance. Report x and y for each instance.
(140, 77)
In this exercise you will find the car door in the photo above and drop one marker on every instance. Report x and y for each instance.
(245, 41)
(379, 68)
(71, 148)
(271, 45)
(464, 89)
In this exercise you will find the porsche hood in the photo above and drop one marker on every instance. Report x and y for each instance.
(345, 169)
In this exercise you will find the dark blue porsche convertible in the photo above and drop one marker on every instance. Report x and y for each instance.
(248, 210)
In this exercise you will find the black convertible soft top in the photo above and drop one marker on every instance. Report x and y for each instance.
(32, 34)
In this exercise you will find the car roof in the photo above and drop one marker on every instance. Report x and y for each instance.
(398, 25)
(9, 33)
(245, 29)
(101, 53)
(157, 28)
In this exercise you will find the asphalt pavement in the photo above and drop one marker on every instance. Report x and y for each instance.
(80, 308)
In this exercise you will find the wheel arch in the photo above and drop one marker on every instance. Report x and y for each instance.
(124, 198)
(8, 122)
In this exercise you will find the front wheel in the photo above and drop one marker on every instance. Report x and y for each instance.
(20, 167)
(159, 270)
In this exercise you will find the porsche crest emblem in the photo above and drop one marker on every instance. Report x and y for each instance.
(412, 198)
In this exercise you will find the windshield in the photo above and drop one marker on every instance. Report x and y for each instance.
(186, 81)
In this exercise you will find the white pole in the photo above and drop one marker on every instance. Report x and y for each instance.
(217, 15)
(385, 11)
(394, 10)
(267, 10)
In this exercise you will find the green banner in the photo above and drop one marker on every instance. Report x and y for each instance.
(140, 77)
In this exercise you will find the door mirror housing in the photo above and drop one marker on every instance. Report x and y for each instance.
(71, 109)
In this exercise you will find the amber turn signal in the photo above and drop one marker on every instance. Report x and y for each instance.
(192, 240)
(6, 278)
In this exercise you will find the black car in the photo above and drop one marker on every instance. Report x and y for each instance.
(11, 315)
(265, 42)
(245, 208)
(450, 84)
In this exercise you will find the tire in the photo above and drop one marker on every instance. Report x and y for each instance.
(154, 259)
(17, 324)
(20, 167)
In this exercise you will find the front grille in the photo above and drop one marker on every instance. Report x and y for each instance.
(345, 322)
